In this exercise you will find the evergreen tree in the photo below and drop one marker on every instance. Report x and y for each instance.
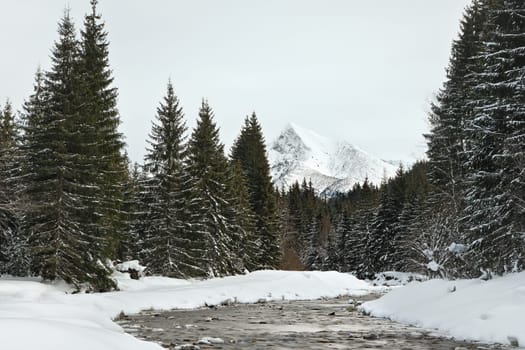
(448, 142)
(249, 149)
(131, 242)
(59, 193)
(102, 142)
(495, 211)
(208, 201)
(360, 229)
(9, 159)
(169, 250)
(9, 154)
(290, 242)
(447, 138)
(340, 254)
(246, 244)
(32, 142)
(383, 242)
(312, 255)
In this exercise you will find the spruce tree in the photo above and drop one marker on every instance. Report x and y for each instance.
(447, 138)
(58, 191)
(208, 200)
(311, 254)
(9, 223)
(246, 244)
(131, 241)
(9, 152)
(496, 194)
(249, 149)
(169, 249)
(104, 145)
(341, 253)
(384, 236)
(291, 244)
(448, 141)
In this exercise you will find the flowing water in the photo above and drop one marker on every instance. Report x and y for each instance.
(318, 324)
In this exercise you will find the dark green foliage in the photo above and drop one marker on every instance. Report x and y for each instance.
(60, 190)
(447, 138)
(10, 157)
(383, 243)
(467, 217)
(495, 223)
(11, 243)
(74, 169)
(356, 229)
(131, 241)
(246, 243)
(69, 202)
(313, 257)
(476, 143)
(101, 143)
(250, 151)
(364, 231)
(56, 221)
(208, 197)
(448, 149)
(307, 233)
(167, 248)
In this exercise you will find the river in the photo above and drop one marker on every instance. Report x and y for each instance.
(318, 324)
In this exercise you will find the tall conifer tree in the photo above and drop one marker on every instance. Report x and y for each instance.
(250, 151)
(496, 194)
(168, 247)
(245, 240)
(9, 183)
(104, 149)
(207, 166)
(59, 190)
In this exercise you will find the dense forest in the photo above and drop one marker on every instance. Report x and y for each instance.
(461, 213)
(71, 202)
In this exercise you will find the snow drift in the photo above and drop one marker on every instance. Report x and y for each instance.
(34, 315)
(488, 311)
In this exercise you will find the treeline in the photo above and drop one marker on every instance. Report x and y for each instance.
(364, 231)
(71, 202)
(463, 213)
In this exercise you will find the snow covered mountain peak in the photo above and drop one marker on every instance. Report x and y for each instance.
(331, 165)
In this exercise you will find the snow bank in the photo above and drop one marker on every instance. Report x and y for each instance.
(488, 311)
(396, 278)
(35, 315)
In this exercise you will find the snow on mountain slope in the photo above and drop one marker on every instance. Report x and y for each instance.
(331, 165)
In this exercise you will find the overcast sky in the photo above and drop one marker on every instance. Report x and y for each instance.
(364, 71)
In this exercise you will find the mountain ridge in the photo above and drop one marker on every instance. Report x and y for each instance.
(331, 165)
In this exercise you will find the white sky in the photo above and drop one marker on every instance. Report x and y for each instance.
(364, 71)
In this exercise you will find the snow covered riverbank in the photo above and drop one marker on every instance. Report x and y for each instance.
(35, 315)
(487, 311)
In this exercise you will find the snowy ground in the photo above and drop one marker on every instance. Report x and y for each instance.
(396, 279)
(488, 311)
(35, 315)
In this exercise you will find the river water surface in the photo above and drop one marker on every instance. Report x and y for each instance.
(318, 324)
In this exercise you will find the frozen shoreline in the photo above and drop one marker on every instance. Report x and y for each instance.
(55, 320)
(35, 315)
(487, 311)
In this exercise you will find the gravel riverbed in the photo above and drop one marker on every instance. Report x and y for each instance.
(317, 324)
